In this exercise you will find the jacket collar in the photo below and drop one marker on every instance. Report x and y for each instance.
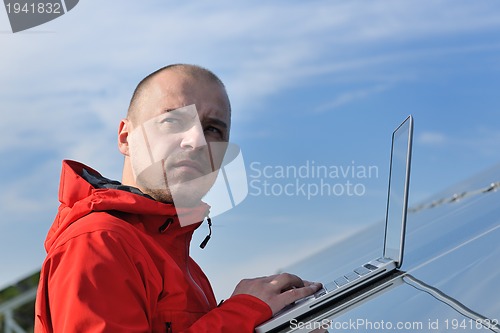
(84, 190)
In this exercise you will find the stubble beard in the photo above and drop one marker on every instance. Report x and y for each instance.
(180, 191)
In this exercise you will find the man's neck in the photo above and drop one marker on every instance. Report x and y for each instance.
(128, 174)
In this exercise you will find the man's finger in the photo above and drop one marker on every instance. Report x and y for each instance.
(287, 281)
(295, 294)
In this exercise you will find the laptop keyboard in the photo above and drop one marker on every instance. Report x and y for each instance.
(362, 270)
(346, 278)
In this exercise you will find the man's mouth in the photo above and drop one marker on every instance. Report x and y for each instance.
(191, 165)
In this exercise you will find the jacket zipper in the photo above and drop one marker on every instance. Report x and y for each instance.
(198, 287)
(192, 279)
(168, 327)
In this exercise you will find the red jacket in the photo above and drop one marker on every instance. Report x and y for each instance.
(109, 268)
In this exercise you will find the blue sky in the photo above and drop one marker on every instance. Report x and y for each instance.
(318, 82)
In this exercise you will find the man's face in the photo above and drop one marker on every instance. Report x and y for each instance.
(179, 137)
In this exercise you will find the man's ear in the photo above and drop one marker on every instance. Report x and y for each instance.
(123, 132)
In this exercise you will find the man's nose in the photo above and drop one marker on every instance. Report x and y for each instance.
(193, 138)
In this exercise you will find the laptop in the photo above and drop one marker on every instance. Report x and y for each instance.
(392, 256)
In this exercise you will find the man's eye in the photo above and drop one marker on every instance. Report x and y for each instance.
(212, 129)
(170, 120)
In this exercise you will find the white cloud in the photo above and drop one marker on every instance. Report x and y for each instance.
(348, 97)
(483, 141)
(259, 50)
(432, 138)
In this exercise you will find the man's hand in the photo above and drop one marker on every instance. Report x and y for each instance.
(277, 290)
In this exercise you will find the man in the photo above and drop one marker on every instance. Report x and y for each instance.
(118, 253)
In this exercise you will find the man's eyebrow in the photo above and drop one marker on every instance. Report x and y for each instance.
(181, 110)
(218, 122)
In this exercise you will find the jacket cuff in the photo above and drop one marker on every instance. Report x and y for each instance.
(250, 306)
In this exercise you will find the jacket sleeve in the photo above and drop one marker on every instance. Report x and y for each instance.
(240, 313)
(96, 283)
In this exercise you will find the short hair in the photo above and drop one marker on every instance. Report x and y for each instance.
(194, 71)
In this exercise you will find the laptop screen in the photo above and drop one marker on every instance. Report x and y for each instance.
(398, 191)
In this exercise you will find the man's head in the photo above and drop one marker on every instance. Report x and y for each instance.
(178, 120)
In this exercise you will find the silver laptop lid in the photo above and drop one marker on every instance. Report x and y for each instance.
(399, 181)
